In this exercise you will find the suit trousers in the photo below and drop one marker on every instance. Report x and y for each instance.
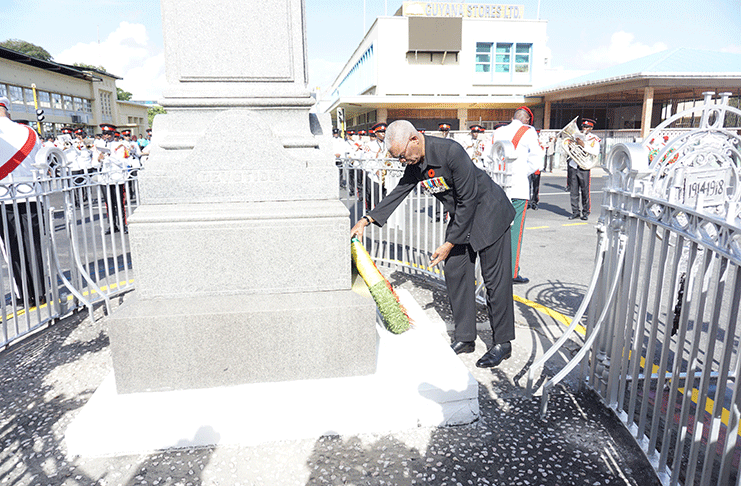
(460, 279)
(580, 185)
(115, 198)
(29, 239)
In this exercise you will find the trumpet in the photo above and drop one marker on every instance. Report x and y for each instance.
(582, 158)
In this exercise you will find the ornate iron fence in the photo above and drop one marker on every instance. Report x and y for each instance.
(662, 308)
(662, 312)
(61, 251)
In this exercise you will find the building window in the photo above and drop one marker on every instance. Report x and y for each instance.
(28, 95)
(56, 100)
(16, 94)
(503, 61)
(44, 99)
(105, 106)
(87, 106)
(78, 104)
(503, 58)
(483, 57)
(522, 58)
(3, 90)
(67, 100)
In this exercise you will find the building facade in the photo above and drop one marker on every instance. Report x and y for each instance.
(466, 64)
(70, 96)
(458, 63)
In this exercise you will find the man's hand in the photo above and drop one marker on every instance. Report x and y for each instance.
(359, 227)
(441, 253)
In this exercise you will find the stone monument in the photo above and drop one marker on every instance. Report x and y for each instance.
(241, 247)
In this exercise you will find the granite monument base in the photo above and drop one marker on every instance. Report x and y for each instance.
(418, 382)
(197, 342)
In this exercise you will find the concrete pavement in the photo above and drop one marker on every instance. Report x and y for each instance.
(46, 379)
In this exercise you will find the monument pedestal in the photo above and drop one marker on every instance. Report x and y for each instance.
(240, 247)
(202, 342)
(419, 382)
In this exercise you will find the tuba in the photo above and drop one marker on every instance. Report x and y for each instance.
(582, 158)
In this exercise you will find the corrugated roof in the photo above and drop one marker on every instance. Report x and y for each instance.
(41, 64)
(675, 62)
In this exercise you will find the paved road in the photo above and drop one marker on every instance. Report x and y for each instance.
(48, 378)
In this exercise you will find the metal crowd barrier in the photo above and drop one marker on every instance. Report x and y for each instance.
(417, 227)
(60, 249)
(662, 308)
(662, 311)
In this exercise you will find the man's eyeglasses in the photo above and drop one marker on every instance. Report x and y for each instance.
(402, 155)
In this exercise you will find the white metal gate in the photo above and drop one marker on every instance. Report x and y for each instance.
(662, 312)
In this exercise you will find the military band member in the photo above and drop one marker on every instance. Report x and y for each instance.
(340, 149)
(113, 173)
(580, 179)
(444, 129)
(529, 156)
(375, 180)
(133, 162)
(376, 145)
(354, 154)
(474, 145)
(18, 151)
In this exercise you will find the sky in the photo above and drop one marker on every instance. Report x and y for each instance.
(125, 36)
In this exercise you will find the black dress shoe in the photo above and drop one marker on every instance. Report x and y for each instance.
(460, 347)
(520, 280)
(574, 216)
(584, 217)
(497, 354)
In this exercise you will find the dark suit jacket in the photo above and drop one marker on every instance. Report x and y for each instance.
(479, 209)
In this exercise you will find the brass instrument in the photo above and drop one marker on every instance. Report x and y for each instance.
(582, 158)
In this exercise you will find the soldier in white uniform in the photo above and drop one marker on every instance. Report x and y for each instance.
(529, 158)
(113, 173)
(132, 160)
(444, 129)
(18, 166)
(340, 149)
(474, 145)
(83, 156)
(375, 181)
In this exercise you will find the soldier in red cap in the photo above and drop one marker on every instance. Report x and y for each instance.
(580, 178)
(474, 145)
(113, 174)
(375, 180)
(529, 159)
(444, 129)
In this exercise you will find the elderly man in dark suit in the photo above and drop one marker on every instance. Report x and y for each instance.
(480, 219)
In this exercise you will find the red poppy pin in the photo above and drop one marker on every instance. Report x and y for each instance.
(431, 173)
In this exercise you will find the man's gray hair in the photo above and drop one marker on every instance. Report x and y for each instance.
(523, 116)
(398, 133)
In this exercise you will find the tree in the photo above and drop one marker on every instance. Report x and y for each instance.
(155, 110)
(123, 95)
(27, 48)
(89, 66)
